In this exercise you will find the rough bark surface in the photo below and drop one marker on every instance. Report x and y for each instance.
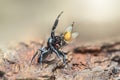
(96, 61)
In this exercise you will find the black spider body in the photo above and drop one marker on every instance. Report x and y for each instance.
(54, 43)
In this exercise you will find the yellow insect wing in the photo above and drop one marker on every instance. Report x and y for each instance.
(67, 36)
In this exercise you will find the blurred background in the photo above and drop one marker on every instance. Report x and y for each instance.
(24, 20)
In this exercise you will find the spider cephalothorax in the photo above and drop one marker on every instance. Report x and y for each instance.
(54, 42)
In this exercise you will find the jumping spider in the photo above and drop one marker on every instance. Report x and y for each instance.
(55, 43)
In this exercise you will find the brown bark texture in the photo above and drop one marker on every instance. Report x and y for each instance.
(87, 61)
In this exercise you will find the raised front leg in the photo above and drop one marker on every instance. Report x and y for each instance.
(55, 25)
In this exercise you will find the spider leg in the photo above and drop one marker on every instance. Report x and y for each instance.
(55, 50)
(40, 58)
(34, 56)
(55, 25)
(59, 53)
(64, 56)
(56, 21)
